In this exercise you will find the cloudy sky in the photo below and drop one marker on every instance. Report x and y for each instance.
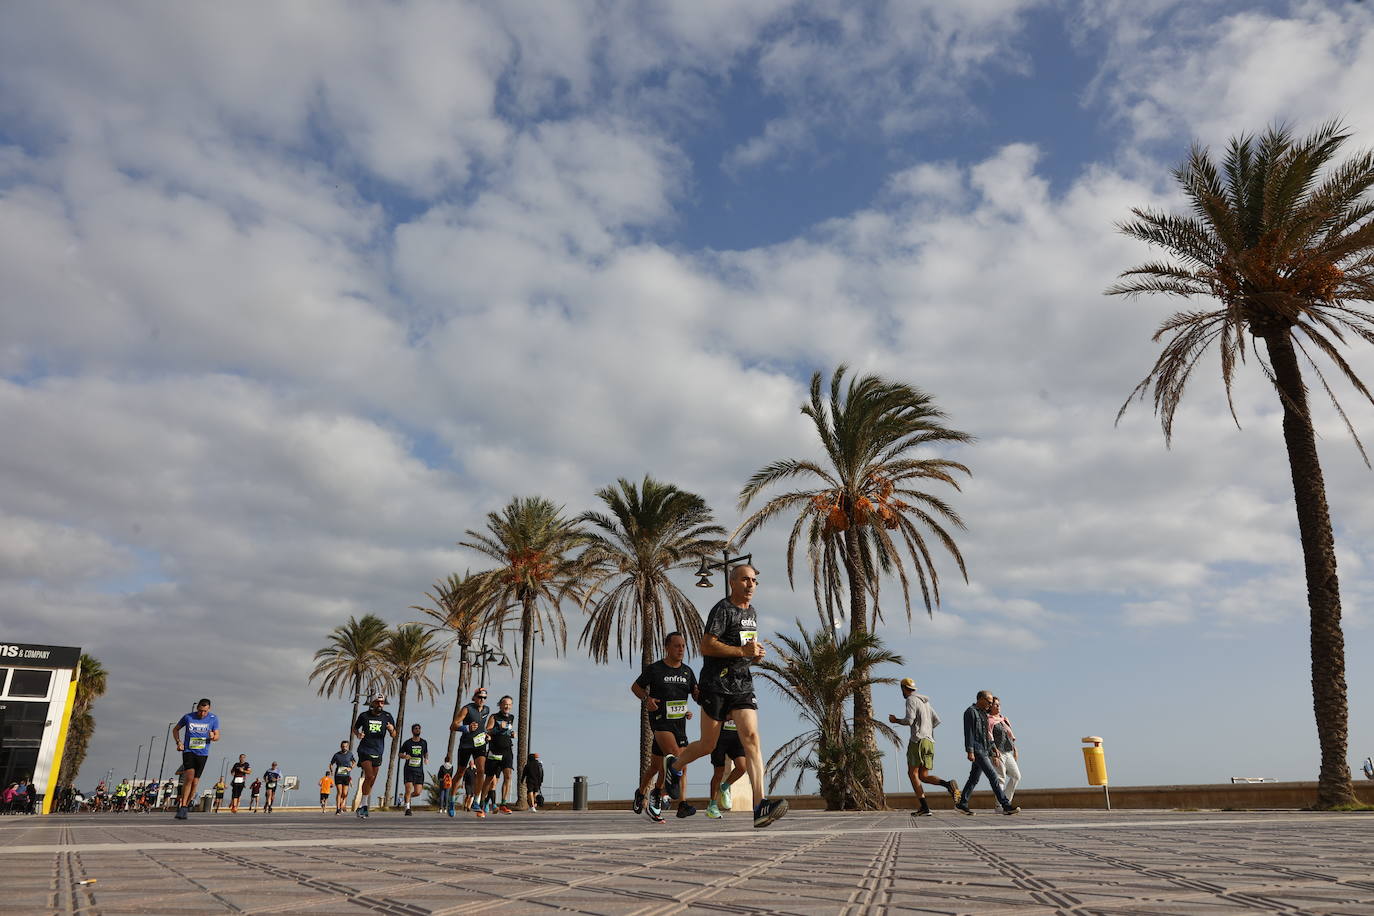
(294, 294)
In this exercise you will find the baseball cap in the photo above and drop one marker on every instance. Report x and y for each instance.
(908, 683)
(380, 696)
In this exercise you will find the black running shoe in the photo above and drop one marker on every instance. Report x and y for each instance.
(408, 814)
(769, 810)
(638, 806)
(672, 777)
(923, 811)
(963, 809)
(655, 803)
(685, 810)
(181, 813)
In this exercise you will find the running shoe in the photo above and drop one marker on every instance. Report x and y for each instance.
(672, 777)
(654, 816)
(638, 805)
(963, 809)
(655, 804)
(769, 810)
(725, 795)
(362, 811)
(923, 811)
(181, 813)
(953, 790)
(504, 809)
(408, 814)
(481, 813)
(450, 812)
(1011, 809)
(712, 810)
(685, 810)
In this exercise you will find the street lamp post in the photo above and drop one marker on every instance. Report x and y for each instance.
(703, 572)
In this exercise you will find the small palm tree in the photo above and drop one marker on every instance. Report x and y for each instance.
(819, 673)
(92, 682)
(864, 511)
(651, 530)
(352, 661)
(1281, 237)
(457, 613)
(409, 651)
(532, 543)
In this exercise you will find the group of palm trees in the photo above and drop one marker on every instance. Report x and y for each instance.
(1280, 235)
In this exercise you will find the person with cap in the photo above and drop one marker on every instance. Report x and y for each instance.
(920, 748)
(372, 728)
(471, 725)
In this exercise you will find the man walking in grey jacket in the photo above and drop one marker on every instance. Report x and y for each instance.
(978, 746)
(920, 749)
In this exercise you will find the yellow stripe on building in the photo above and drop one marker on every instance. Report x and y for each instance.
(63, 727)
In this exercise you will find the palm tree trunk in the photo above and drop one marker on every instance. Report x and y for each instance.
(646, 735)
(526, 714)
(464, 675)
(858, 624)
(389, 785)
(1319, 561)
(357, 692)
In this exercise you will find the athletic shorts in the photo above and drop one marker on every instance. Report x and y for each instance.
(679, 733)
(470, 753)
(324, 797)
(374, 759)
(719, 705)
(728, 748)
(342, 780)
(500, 758)
(920, 754)
(194, 762)
(237, 789)
(414, 777)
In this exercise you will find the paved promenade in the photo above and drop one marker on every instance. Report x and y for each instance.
(605, 862)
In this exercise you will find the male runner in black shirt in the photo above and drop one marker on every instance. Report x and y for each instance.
(415, 755)
(471, 725)
(729, 645)
(664, 687)
(371, 730)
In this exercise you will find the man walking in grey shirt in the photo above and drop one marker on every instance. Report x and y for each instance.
(920, 749)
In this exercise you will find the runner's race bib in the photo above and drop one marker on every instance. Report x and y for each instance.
(746, 635)
(677, 709)
(479, 739)
(197, 744)
(238, 780)
(341, 771)
(495, 757)
(730, 725)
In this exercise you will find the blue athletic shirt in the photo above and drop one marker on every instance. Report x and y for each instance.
(342, 763)
(197, 740)
(372, 723)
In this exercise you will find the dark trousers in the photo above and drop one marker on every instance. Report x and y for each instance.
(982, 766)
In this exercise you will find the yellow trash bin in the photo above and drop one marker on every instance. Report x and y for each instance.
(1095, 761)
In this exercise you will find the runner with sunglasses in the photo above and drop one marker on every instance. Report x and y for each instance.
(471, 725)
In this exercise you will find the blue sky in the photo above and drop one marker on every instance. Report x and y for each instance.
(292, 302)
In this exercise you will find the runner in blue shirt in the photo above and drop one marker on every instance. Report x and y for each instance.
(270, 779)
(202, 728)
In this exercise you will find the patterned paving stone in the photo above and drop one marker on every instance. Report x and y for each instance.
(1135, 863)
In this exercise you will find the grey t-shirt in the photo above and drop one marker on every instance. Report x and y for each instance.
(734, 627)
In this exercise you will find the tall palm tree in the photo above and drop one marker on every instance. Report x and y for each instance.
(651, 529)
(863, 511)
(458, 613)
(409, 651)
(819, 673)
(1281, 237)
(91, 684)
(351, 661)
(532, 543)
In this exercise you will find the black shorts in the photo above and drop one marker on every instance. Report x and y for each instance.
(719, 705)
(471, 753)
(269, 789)
(728, 748)
(414, 776)
(500, 757)
(374, 759)
(679, 733)
(194, 762)
(236, 788)
(342, 780)
(324, 796)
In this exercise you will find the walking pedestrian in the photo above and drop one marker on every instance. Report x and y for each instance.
(920, 747)
(533, 778)
(978, 747)
(445, 777)
(1008, 760)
